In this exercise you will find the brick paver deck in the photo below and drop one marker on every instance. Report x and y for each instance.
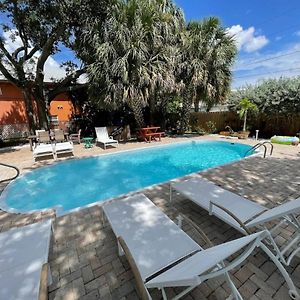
(83, 253)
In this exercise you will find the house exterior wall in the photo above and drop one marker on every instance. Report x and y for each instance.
(13, 119)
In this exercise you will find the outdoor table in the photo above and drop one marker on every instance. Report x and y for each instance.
(150, 133)
(88, 142)
(31, 138)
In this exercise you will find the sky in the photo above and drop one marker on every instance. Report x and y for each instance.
(267, 33)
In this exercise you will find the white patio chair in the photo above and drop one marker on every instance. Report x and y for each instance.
(161, 255)
(63, 148)
(42, 150)
(43, 136)
(24, 262)
(243, 214)
(103, 138)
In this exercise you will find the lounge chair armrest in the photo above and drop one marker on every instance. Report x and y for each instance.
(43, 290)
(232, 215)
(141, 289)
(197, 229)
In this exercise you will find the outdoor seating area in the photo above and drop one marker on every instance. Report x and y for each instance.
(243, 214)
(149, 150)
(151, 133)
(84, 252)
(50, 144)
(161, 255)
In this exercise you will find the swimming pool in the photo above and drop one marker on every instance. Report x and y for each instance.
(79, 182)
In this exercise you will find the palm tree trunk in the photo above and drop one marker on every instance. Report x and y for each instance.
(196, 104)
(245, 121)
(185, 113)
(138, 113)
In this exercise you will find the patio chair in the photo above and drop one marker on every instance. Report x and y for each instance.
(243, 214)
(103, 138)
(63, 148)
(43, 137)
(161, 255)
(42, 150)
(24, 265)
(75, 137)
(59, 135)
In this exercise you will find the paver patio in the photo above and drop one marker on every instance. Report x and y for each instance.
(83, 253)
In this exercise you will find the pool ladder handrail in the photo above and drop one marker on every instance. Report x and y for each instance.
(256, 146)
(13, 167)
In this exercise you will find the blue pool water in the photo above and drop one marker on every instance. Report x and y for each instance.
(75, 183)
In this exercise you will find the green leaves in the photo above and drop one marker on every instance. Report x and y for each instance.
(272, 96)
(133, 53)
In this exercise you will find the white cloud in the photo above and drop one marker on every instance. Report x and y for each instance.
(247, 40)
(252, 69)
(52, 68)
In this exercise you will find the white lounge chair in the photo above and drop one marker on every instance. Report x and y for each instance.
(243, 214)
(103, 138)
(161, 255)
(24, 262)
(62, 148)
(42, 150)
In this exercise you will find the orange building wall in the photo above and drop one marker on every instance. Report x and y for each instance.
(12, 108)
(62, 107)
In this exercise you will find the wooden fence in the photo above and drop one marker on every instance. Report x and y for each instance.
(268, 125)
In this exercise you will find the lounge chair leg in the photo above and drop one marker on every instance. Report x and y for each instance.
(235, 293)
(120, 250)
(292, 289)
(164, 294)
(179, 219)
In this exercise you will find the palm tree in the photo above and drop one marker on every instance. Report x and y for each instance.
(246, 106)
(134, 54)
(210, 56)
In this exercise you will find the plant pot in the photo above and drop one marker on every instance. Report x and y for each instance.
(243, 134)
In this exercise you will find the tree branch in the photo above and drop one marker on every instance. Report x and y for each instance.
(64, 89)
(16, 52)
(64, 85)
(7, 54)
(73, 76)
(8, 76)
(32, 52)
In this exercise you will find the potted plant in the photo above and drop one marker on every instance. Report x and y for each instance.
(246, 106)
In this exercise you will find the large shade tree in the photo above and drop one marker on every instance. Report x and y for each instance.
(39, 29)
(134, 54)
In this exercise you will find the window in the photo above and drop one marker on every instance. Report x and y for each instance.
(54, 120)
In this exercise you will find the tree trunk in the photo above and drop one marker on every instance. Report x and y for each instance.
(138, 113)
(42, 113)
(245, 121)
(29, 110)
(196, 104)
(185, 113)
(151, 109)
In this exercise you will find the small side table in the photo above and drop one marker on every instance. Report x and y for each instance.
(87, 142)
